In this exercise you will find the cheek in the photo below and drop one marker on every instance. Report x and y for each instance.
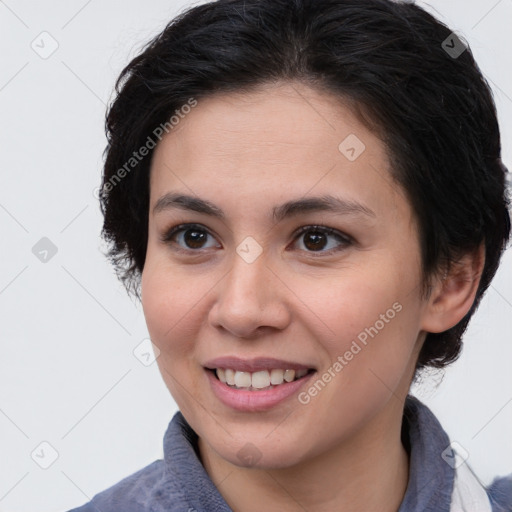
(370, 321)
(168, 305)
(378, 358)
(156, 303)
(355, 301)
(171, 310)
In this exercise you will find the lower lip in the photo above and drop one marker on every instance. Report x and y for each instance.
(254, 401)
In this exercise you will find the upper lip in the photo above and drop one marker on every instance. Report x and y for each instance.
(254, 365)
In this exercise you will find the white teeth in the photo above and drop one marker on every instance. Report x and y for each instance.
(242, 379)
(289, 375)
(258, 380)
(276, 377)
(230, 376)
(221, 374)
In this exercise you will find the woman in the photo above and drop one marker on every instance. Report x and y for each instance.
(309, 200)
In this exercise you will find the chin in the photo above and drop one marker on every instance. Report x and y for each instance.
(260, 455)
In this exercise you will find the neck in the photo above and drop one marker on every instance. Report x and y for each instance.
(369, 471)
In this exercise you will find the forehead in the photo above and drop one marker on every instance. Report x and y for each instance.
(274, 142)
(266, 124)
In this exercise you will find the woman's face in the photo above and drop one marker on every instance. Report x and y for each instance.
(296, 251)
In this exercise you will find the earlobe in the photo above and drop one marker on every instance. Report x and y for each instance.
(453, 293)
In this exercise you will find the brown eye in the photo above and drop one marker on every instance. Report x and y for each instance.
(188, 237)
(317, 238)
(194, 238)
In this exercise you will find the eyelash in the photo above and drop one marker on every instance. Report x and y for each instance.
(344, 239)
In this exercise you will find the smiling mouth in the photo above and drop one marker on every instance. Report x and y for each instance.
(260, 380)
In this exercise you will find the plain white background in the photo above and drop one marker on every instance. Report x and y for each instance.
(68, 374)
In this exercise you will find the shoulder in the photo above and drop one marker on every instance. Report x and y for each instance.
(439, 479)
(134, 493)
(167, 485)
(500, 494)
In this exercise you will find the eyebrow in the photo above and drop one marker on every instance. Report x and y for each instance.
(326, 203)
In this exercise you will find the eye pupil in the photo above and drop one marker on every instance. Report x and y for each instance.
(314, 240)
(193, 238)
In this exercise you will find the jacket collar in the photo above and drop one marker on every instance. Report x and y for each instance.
(430, 477)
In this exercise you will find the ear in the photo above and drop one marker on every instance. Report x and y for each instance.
(453, 294)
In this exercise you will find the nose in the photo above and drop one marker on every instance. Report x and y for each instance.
(252, 299)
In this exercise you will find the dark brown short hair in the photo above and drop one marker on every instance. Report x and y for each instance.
(415, 80)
